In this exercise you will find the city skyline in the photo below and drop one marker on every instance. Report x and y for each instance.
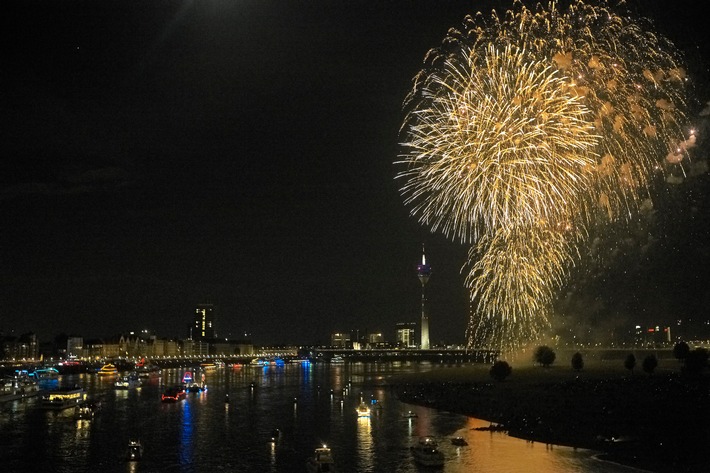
(162, 154)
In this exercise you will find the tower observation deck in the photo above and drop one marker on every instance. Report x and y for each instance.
(423, 272)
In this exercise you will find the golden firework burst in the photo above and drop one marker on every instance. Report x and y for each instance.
(521, 124)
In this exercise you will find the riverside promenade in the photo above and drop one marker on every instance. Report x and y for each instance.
(658, 422)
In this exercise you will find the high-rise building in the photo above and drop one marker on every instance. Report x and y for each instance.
(423, 272)
(405, 334)
(203, 326)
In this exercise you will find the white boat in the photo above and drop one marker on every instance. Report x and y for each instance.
(337, 359)
(17, 387)
(321, 461)
(122, 383)
(426, 452)
(62, 398)
(409, 414)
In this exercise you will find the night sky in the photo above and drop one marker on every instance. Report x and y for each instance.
(161, 154)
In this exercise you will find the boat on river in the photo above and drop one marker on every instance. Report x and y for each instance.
(135, 450)
(86, 410)
(321, 461)
(173, 394)
(196, 387)
(122, 383)
(426, 452)
(45, 373)
(17, 387)
(62, 398)
(363, 410)
(109, 369)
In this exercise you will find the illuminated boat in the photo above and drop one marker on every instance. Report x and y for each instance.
(321, 461)
(173, 394)
(62, 398)
(409, 414)
(135, 450)
(196, 388)
(426, 452)
(122, 383)
(44, 373)
(187, 377)
(363, 410)
(207, 365)
(146, 369)
(459, 441)
(17, 387)
(108, 369)
(337, 359)
(86, 410)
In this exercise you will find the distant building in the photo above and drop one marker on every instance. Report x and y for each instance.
(405, 334)
(75, 347)
(171, 347)
(106, 348)
(203, 324)
(132, 345)
(653, 335)
(340, 340)
(200, 348)
(24, 347)
(375, 338)
(231, 347)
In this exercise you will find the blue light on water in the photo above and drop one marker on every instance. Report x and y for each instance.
(186, 440)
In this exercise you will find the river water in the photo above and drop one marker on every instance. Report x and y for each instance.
(310, 404)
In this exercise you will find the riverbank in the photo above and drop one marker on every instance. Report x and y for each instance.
(660, 422)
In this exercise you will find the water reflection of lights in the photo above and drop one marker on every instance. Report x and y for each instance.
(365, 444)
(186, 444)
(272, 455)
(82, 424)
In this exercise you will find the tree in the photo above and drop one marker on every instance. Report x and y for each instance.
(696, 361)
(649, 364)
(630, 362)
(500, 370)
(544, 355)
(681, 350)
(577, 361)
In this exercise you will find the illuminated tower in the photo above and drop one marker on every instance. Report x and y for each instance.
(424, 271)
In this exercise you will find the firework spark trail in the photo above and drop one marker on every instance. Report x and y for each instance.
(524, 130)
(516, 279)
(499, 147)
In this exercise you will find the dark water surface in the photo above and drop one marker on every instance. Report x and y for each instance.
(205, 434)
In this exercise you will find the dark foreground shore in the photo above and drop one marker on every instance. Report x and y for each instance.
(659, 423)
